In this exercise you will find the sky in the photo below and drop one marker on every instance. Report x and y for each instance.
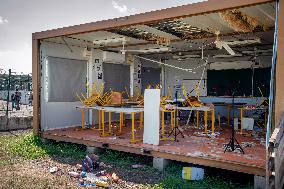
(20, 18)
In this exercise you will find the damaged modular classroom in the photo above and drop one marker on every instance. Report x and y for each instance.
(198, 83)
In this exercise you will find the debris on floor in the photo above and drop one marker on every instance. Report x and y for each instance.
(90, 162)
(137, 166)
(74, 174)
(87, 176)
(53, 169)
(247, 144)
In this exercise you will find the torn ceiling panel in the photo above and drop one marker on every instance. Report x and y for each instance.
(181, 29)
(157, 32)
(264, 13)
(140, 33)
(103, 35)
(209, 23)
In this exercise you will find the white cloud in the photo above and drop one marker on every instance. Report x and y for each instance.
(3, 20)
(17, 60)
(120, 8)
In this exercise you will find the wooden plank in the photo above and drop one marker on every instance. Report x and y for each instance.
(36, 84)
(150, 17)
(240, 167)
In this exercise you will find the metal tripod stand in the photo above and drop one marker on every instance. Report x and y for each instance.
(233, 144)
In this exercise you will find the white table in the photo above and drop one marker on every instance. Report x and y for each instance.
(112, 109)
(205, 109)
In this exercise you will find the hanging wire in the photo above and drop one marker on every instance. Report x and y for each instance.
(161, 63)
(176, 67)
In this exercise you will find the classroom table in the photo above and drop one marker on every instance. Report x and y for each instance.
(244, 109)
(113, 109)
(205, 109)
(229, 108)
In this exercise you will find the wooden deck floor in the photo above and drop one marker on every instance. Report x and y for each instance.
(194, 148)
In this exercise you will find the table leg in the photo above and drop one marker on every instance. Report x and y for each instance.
(103, 122)
(120, 121)
(100, 121)
(141, 120)
(163, 123)
(205, 121)
(133, 126)
(241, 116)
(172, 120)
(197, 119)
(83, 118)
(175, 122)
(109, 122)
(213, 120)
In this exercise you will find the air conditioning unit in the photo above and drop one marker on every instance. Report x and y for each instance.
(114, 58)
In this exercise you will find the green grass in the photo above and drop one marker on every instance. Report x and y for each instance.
(173, 180)
(30, 146)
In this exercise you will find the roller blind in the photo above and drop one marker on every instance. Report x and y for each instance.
(66, 77)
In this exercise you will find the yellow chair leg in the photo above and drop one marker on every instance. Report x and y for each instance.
(83, 118)
(103, 122)
(120, 122)
(197, 119)
(213, 120)
(132, 126)
(174, 119)
(141, 120)
(133, 140)
(123, 120)
(100, 120)
(163, 124)
(109, 122)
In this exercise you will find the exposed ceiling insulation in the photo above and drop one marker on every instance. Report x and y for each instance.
(138, 33)
(181, 29)
(241, 22)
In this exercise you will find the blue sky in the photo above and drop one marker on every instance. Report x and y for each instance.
(20, 18)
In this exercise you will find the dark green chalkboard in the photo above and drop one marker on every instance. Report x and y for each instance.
(225, 82)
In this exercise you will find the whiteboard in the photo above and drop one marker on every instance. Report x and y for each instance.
(190, 85)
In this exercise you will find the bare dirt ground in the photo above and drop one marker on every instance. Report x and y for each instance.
(25, 110)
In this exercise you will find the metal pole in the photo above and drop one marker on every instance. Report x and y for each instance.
(8, 92)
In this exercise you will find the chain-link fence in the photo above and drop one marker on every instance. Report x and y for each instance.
(15, 93)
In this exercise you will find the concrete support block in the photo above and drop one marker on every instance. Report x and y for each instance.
(160, 163)
(259, 182)
(94, 150)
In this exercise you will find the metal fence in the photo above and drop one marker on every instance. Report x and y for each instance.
(15, 91)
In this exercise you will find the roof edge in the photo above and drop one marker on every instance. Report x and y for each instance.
(147, 17)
